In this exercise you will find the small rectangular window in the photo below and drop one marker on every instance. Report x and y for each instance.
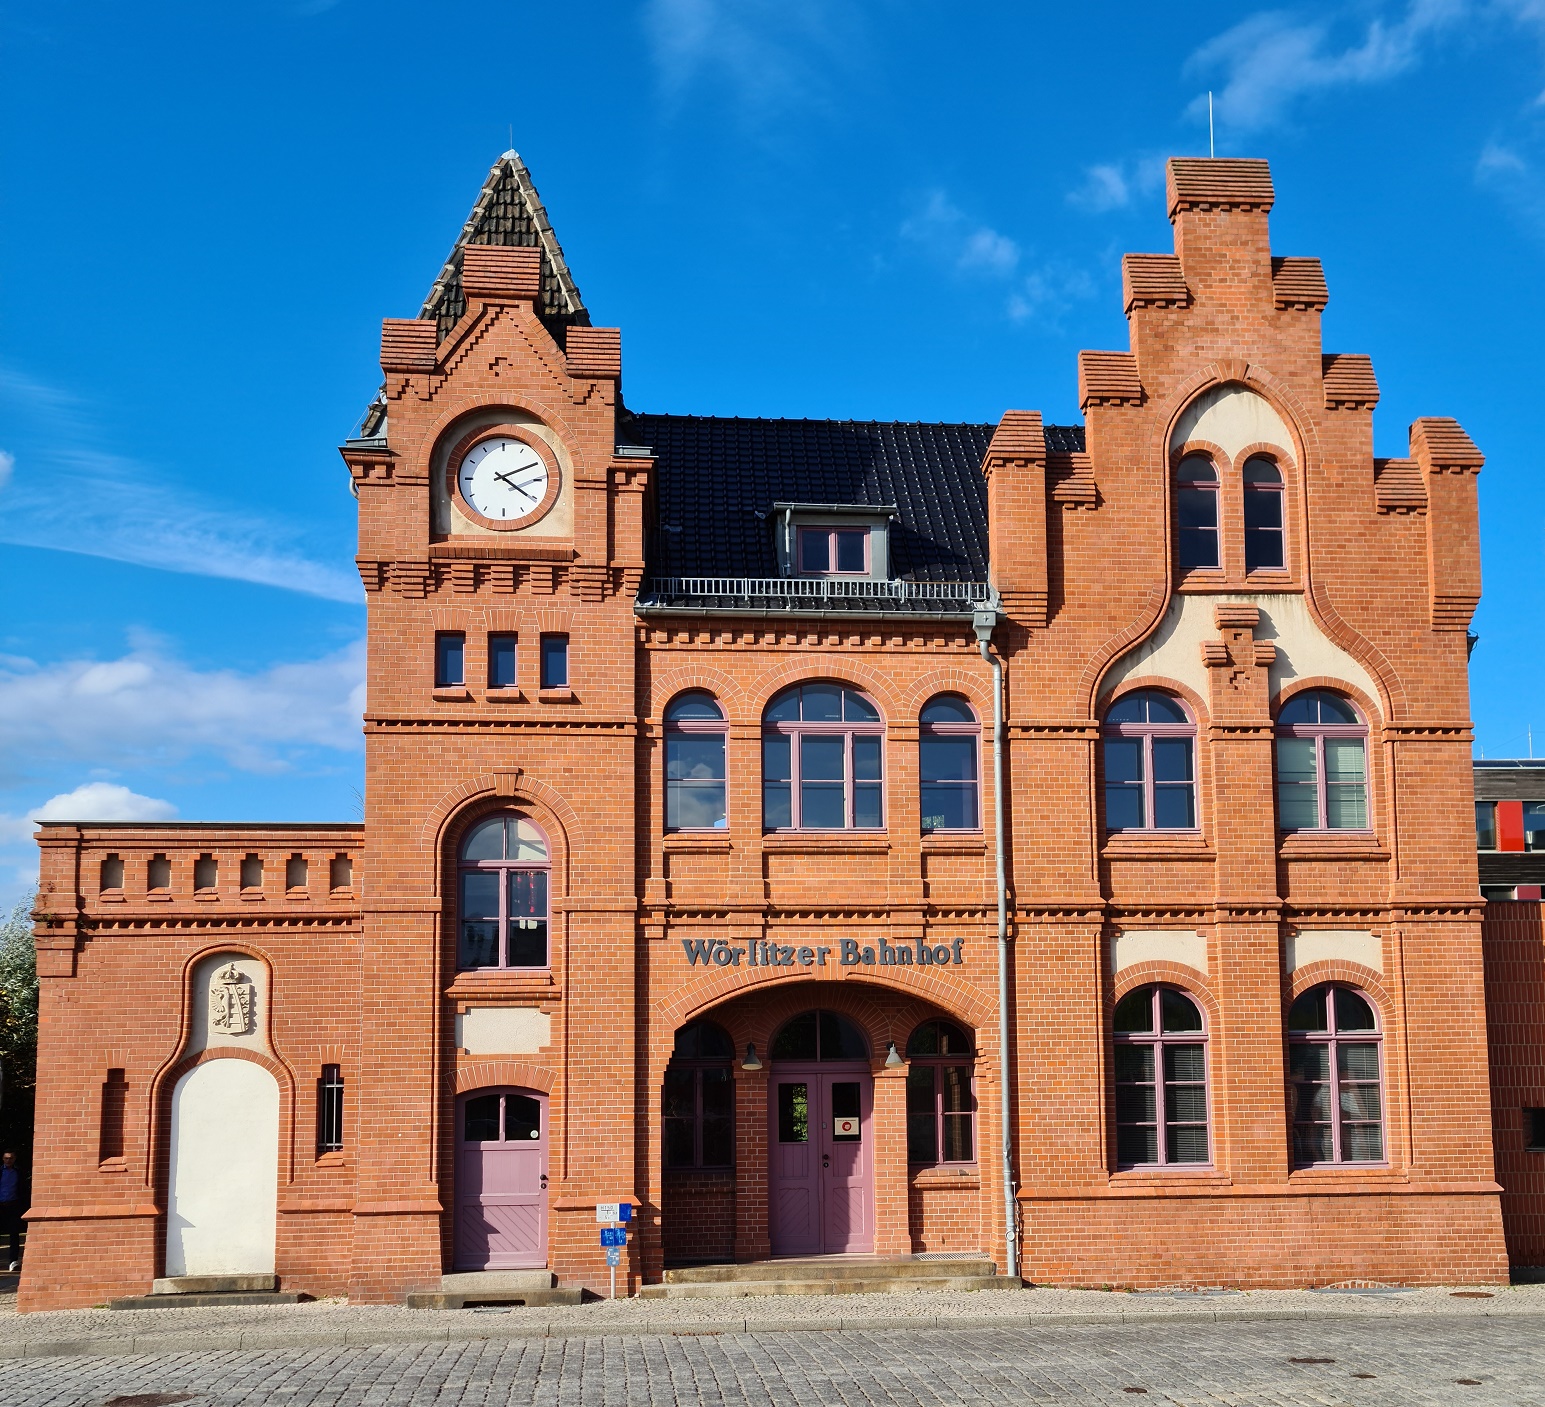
(1496, 892)
(1534, 825)
(555, 662)
(330, 1110)
(206, 873)
(1485, 825)
(501, 661)
(115, 1100)
(833, 551)
(450, 656)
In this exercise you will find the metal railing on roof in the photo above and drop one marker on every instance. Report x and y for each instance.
(795, 595)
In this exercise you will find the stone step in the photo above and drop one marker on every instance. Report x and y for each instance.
(463, 1281)
(834, 1268)
(476, 1299)
(210, 1301)
(214, 1284)
(879, 1284)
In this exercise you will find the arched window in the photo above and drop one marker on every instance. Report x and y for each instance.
(503, 900)
(822, 749)
(1336, 1076)
(1150, 763)
(941, 1107)
(694, 763)
(1161, 1079)
(820, 1035)
(1265, 544)
(948, 748)
(699, 1103)
(1322, 764)
(1196, 512)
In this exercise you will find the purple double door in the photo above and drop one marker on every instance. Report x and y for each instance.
(821, 1159)
(501, 1181)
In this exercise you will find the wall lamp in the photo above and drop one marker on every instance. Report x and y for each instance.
(893, 1061)
(751, 1062)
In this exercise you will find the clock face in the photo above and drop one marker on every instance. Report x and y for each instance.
(503, 478)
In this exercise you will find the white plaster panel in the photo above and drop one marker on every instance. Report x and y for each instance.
(219, 1005)
(222, 1198)
(1135, 945)
(1232, 417)
(447, 517)
(1174, 650)
(1329, 944)
(503, 1030)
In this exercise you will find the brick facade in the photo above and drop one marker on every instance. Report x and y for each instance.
(1380, 574)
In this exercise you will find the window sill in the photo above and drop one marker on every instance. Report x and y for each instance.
(450, 693)
(502, 695)
(825, 842)
(963, 1179)
(1328, 845)
(159, 896)
(113, 1165)
(251, 896)
(504, 982)
(1339, 1172)
(556, 696)
(206, 896)
(1203, 1173)
(335, 1159)
(714, 840)
(699, 1174)
(1155, 844)
(954, 843)
(110, 896)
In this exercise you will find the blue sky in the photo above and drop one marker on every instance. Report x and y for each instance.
(868, 210)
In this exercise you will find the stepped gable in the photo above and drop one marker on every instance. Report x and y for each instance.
(1349, 381)
(1218, 183)
(718, 478)
(1152, 281)
(1298, 283)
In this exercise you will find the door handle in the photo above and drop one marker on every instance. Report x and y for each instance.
(544, 1179)
(826, 1160)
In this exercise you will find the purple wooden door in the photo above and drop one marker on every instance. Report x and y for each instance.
(821, 1165)
(501, 1181)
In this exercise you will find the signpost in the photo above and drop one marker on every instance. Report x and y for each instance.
(614, 1236)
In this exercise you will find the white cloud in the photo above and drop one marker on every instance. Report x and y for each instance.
(949, 235)
(91, 801)
(1272, 59)
(71, 497)
(149, 708)
(1113, 185)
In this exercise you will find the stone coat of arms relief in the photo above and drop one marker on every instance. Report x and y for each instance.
(230, 1001)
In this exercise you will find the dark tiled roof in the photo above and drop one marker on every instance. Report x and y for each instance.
(717, 480)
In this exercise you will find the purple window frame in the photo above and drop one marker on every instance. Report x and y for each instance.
(1335, 1039)
(1189, 494)
(505, 868)
(1160, 1040)
(1318, 733)
(1146, 733)
(936, 1064)
(698, 727)
(1255, 498)
(830, 533)
(796, 732)
(973, 787)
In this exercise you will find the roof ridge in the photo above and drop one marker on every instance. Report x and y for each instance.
(825, 420)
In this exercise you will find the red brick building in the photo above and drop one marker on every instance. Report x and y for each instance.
(686, 879)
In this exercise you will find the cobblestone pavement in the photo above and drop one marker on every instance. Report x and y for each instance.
(1383, 1361)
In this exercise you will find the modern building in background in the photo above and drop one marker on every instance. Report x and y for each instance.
(1045, 843)
(1510, 827)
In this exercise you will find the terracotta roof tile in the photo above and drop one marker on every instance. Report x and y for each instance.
(595, 352)
(1153, 281)
(1298, 283)
(1349, 381)
(1217, 183)
(1444, 444)
(1398, 486)
(1108, 378)
(1019, 436)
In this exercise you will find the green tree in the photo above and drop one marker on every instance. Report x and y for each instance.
(18, 1030)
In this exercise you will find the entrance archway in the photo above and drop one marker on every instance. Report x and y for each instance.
(501, 1180)
(222, 1199)
(820, 1138)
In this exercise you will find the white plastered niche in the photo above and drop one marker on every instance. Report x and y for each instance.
(447, 518)
(1232, 417)
(1174, 650)
(230, 1004)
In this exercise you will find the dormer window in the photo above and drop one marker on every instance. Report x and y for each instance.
(828, 551)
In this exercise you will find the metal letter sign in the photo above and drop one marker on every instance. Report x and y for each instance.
(614, 1236)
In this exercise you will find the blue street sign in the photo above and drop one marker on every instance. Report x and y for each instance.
(614, 1236)
(614, 1255)
(624, 1211)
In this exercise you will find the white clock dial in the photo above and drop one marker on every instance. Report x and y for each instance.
(503, 478)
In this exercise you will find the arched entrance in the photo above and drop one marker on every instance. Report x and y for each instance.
(223, 1186)
(501, 1180)
(820, 1138)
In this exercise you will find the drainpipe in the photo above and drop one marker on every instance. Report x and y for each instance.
(986, 617)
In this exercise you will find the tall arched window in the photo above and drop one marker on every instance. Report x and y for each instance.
(1337, 1078)
(503, 877)
(822, 751)
(1265, 542)
(1196, 513)
(1161, 1079)
(1322, 764)
(941, 1108)
(699, 1103)
(694, 762)
(1150, 763)
(948, 748)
